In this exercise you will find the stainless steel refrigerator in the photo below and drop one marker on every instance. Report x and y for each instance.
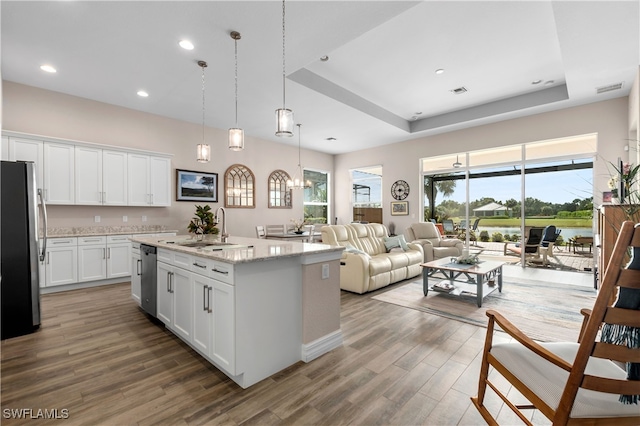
(20, 217)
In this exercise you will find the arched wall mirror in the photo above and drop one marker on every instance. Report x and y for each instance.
(239, 188)
(279, 194)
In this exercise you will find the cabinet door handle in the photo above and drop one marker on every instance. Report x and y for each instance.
(209, 288)
(47, 258)
(138, 263)
(104, 197)
(108, 253)
(168, 279)
(88, 240)
(199, 266)
(171, 281)
(151, 198)
(204, 297)
(220, 272)
(104, 253)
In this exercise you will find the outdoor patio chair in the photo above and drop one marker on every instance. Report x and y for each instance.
(549, 239)
(449, 228)
(574, 383)
(532, 246)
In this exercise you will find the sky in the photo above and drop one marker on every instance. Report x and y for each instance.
(556, 187)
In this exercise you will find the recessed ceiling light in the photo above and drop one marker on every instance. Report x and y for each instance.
(48, 68)
(536, 82)
(439, 71)
(331, 139)
(549, 82)
(324, 58)
(186, 44)
(142, 94)
(418, 113)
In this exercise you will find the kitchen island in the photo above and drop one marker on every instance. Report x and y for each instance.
(251, 307)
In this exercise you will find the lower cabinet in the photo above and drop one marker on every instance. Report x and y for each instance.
(174, 299)
(198, 308)
(136, 272)
(61, 262)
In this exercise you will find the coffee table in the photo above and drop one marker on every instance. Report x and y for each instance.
(486, 273)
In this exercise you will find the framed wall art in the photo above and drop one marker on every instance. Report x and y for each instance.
(399, 208)
(196, 186)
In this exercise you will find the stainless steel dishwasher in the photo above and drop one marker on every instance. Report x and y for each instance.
(148, 279)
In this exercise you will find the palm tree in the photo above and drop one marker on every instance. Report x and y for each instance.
(431, 189)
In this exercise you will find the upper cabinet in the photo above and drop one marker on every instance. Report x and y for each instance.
(80, 173)
(101, 177)
(59, 166)
(149, 180)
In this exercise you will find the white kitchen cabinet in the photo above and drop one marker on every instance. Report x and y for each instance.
(118, 256)
(223, 307)
(4, 149)
(59, 170)
(92, 258)
(88, 175)
(164, 298)
(114, 178)
(61, 261)
(202, 314)
(28, 150)
(160, 181)
(149, 182)
(136, 271)
(101, 176)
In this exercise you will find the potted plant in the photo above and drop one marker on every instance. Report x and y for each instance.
(203, 223)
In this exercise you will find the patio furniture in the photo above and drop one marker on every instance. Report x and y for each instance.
(574, 383)
(532, 246)
(449, 228)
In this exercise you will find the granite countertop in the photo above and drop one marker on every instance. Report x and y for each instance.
(241, 250)
(85, 231)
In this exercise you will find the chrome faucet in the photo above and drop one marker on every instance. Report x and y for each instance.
(223, 235)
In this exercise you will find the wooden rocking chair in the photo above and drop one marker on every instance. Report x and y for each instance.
(573, 383)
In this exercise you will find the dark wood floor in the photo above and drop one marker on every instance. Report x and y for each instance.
(99, 357)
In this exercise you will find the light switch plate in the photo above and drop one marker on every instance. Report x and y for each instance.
(325, 271)
(96, 219)
(144, 218)
(125, 218)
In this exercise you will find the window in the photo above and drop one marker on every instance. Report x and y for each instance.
(316, 197)
(279, 194)
(367, 194)
(239, 190)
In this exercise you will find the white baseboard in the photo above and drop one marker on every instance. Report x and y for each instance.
(321, 346)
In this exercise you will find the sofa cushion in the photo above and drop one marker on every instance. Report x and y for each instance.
(397, 241)
(379, 264)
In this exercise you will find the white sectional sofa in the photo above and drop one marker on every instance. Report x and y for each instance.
(433, 245)
(369, 262)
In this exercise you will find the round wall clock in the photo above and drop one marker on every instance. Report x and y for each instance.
(400, 190)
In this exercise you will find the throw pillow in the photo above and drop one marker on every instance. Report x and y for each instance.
(397, 241)
(351, 249)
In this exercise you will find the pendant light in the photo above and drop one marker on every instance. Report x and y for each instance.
(297, 182)
(236, 134)
(457, 164)
(203, 154)
(284, 116)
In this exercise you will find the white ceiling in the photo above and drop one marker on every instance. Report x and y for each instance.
(380, 73)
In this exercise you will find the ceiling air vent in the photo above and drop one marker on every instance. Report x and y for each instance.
(459, 90)
(608, 88)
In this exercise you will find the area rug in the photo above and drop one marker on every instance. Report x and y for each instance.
(545, 311)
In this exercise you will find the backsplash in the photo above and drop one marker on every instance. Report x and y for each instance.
(106, 230)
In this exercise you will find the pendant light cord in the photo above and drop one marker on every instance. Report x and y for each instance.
(203, 64)
(236, 78)
(283, 58)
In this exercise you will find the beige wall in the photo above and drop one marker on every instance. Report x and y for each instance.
(32, 110)
(36, 111)
(609, 119)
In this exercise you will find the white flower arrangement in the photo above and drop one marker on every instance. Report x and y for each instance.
(298, 224)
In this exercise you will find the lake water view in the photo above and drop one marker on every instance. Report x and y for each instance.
(566, 232)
